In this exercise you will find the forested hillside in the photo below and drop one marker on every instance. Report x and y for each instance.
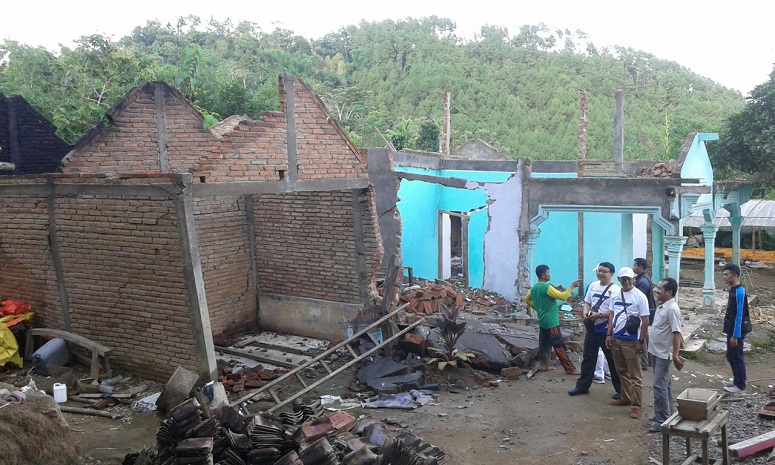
(517, 91)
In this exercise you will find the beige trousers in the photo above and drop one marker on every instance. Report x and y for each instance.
(627, 363)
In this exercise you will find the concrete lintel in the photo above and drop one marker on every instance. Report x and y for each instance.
(416, 160)
(276, 187)
(449, 182)
(321, 185)
(145, 190)
(598, 194)
(215, 189)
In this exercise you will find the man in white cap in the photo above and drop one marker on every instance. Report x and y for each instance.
(626, 338)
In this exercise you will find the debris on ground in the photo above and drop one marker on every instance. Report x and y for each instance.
(193, 434)
(32, 429)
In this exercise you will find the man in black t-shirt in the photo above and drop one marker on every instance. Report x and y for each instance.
(643, 283)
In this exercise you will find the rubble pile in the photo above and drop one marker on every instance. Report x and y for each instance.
(428, 297)
(193, 435)
(659, 170)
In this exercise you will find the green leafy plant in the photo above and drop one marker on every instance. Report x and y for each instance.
(449, 332)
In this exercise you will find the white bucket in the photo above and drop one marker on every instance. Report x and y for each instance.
(60, 393)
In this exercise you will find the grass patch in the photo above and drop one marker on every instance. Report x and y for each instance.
(763, 345)
(696, 356)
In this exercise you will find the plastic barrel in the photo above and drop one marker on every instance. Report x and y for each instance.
(54, 353)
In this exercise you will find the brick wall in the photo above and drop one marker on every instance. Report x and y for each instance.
(372, 239)
(224, 250)
(123, 271)
(28, 270)
(250, 151)
(305, 245)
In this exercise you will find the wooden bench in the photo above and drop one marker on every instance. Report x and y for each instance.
(97, 350)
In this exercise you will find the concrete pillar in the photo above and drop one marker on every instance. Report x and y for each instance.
(736, 220)
(709, 286)
(675, 245)
(532, 242)
(619, 130)
(446, 130)
(192, 271)
(658, 257)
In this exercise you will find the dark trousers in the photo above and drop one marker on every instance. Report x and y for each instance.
(592, 342)
(737, 362)
(552, 338)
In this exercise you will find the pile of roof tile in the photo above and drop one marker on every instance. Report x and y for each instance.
(226, 437)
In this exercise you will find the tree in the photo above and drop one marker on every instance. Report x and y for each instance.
(428, 137)
(747, 144)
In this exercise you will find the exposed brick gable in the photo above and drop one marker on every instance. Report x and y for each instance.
(323, 148)
(249, 150)
(131, 142)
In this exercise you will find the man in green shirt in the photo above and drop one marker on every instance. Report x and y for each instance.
(543, 298)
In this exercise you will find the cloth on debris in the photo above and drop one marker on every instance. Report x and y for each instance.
(9, 348)
(16, 397)
(14, 307)
(146, 404)
(403, 400)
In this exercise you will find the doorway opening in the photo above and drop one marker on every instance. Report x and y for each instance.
(453, 246)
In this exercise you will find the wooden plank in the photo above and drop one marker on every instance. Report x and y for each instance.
(753, 445)
(86, 411)
(690, 459)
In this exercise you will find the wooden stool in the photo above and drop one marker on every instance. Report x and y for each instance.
(677, 426)
(97, 350)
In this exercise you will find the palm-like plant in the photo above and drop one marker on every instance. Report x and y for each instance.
(449, 332)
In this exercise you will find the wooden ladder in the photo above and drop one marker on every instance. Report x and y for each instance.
(321, 360)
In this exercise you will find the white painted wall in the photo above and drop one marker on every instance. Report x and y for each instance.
(446, 246)
(501, 241)
(639, 235)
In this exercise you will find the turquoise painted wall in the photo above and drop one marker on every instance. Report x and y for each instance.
(697, 165)
(419, 206)
(607, 237)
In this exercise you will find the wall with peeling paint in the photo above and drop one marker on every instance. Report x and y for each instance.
(492, 200)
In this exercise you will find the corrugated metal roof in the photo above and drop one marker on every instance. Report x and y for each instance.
(756, 213)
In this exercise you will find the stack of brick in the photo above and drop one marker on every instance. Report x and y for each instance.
(429, 299)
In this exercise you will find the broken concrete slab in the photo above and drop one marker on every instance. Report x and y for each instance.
(380, 368)
(490, 354)
(177, 388)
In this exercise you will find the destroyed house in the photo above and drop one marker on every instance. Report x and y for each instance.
(28, 141)
(160, 237)
(490, 221)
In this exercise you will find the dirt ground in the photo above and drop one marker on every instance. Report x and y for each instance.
(522, 421)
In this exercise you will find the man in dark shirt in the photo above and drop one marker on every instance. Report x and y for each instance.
(736, 312)
(643, 283)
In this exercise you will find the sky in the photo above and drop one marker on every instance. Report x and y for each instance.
(734, 45)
